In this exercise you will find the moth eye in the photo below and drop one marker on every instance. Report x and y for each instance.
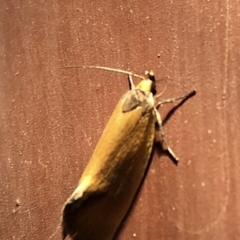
(153, 90)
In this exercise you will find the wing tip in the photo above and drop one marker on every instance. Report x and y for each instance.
(69, 212)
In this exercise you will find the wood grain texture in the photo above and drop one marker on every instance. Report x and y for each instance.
(52, 118)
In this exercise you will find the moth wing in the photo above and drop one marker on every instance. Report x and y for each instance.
(113, 173)
(73, 209)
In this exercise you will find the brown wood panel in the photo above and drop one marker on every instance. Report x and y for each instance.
(52, 118)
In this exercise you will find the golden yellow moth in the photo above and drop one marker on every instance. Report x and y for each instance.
(112, 177)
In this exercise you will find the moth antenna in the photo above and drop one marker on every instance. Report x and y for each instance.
(115, 70)
(70, 67)
(150, 75)
(161, 93)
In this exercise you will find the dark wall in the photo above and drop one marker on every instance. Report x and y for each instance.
(52, 118)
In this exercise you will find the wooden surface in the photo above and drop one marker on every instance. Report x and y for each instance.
(52, 118)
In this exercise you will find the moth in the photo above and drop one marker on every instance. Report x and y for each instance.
(116, 168)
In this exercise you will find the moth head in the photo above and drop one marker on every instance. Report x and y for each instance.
(148, 84)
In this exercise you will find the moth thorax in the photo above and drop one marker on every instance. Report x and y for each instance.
(145, 85)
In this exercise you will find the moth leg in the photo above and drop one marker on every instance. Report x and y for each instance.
(171, 100)
(131, 84)
(159, 123)
(159, 119)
